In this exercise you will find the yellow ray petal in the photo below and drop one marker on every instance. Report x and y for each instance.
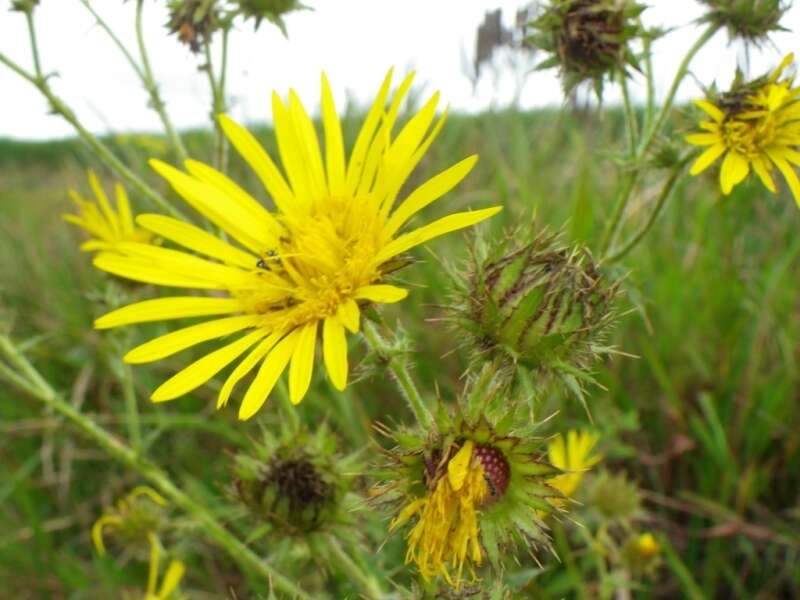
(308, 144)
(334, 350)
(258, 159)
(706, 159)
(162, 309)
(733, 171)
(124, 208)
(334, 146)
(267, 376)
(215, 206)
(172, 577)
(366, 133)
(302, 362)
(196, 239)
(231, 189)
(200, 371)
(712, 111)
(246, 365)
(291, 156)
(762, 169)
(385, 294)
(432, 230)
(788, 174)
(175, 341)
(105, 205)
(458, 467)
(703, 139)
(142, 269)
(431, 190)
(350, 315)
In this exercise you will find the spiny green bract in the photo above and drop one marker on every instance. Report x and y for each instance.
(750, 20)
(489, 417)
(193, 21)
(588, 39)
(271, 10)
(541, 305)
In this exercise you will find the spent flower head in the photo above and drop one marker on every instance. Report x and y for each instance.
(589, 40)
(541, 305)
(750, 20)
(473, 483)
(194, 21)
(283, 278)
(754, 126)
(135, 520)
(108, 226)
(297, 482)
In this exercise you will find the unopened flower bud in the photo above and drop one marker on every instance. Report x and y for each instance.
(750, 20)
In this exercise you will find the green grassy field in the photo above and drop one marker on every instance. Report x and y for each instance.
(704, 415)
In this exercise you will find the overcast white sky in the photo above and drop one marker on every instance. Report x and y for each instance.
(354, 41)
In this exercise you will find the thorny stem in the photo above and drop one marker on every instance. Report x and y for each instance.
(144, 73)
(370, 588)
(217, 98)
(666, 190)
(41, 390)
(151, 86)
(100, 149)
(647, 139)
(403, 378)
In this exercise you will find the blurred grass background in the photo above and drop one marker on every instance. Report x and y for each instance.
(705, 418)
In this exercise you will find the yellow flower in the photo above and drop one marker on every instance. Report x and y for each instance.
(106, 226)
(308, 267)
(647, 546)
(758, 127)
(573, 455)
(446, 535)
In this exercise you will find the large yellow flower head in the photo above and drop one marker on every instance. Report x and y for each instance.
(306, 269)
(754, 126)
(106, 225)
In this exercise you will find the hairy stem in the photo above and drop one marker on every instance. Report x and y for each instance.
(369, 587)
(42, 391)
(399, 369)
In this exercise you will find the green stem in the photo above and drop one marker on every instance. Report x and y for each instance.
(222, 159)
(369, 587)
(630, 115)
(217, 105)
(646, 140)
(401, 375)
(43, 392)
(131, 407)
(151, 86)
(666, 190)
(37, 65)
(651, 85)
(101, 150)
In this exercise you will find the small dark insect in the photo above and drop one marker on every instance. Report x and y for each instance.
(272, 256)
(492, 487)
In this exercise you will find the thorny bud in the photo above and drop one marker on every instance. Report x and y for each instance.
(193, 21)
(271, 10)
(542, 305)
(588, 39)
(750, 20)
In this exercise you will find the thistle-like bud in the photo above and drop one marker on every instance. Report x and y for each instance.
(296, 483)
(542, 305)
(613, 499)
(271, 10)
(588, 39)
(750, 20)
(193, 21)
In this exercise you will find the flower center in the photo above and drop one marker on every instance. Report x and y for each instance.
(749, 136)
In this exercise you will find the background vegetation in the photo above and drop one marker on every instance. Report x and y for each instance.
(704, 417)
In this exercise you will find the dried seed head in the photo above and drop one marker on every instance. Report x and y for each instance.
(588, 39)
(193, 21)
(750, 20)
